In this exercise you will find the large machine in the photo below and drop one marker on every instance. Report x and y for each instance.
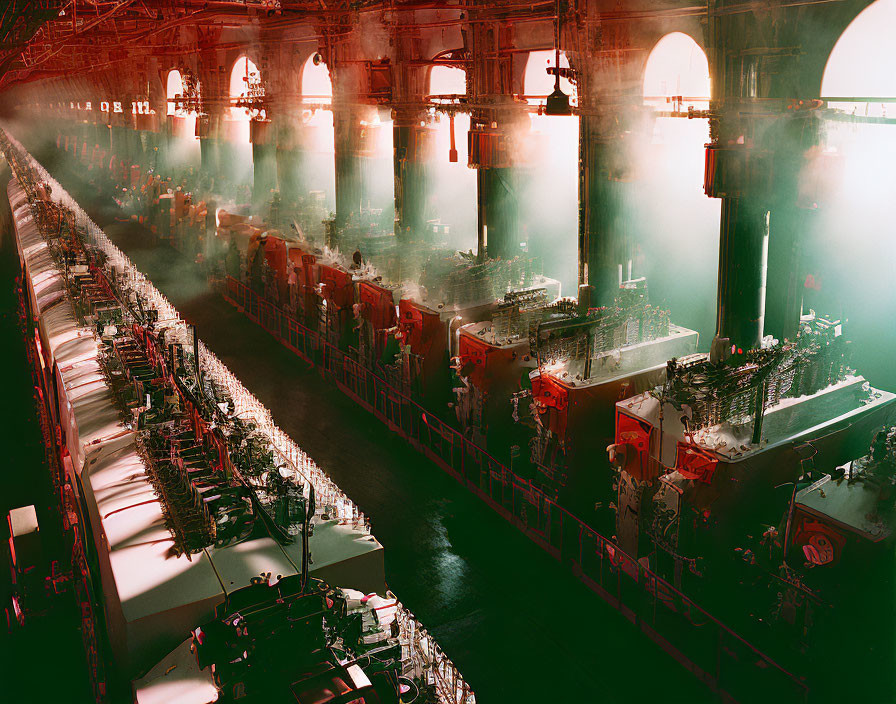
(718, 436)
(746, 477)
(493, 361)
(528, 376)
(586, 361)
(184, 509)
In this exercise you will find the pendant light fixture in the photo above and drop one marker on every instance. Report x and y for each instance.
(558, 101)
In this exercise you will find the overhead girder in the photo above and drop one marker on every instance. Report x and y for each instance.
(380, 53)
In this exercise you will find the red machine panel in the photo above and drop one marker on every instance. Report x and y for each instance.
(634, 435)
(337, 286)
(694, 463)
(551, 401)
(421, 328)
(486, 363)
(819, 542)
(304, 264)
(488, 149)
(377, 305)
(275, 254)
(426, 334)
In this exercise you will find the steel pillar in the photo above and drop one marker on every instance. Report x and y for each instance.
(743, 253)
(498, 212)
(411, 178)
(347, 138)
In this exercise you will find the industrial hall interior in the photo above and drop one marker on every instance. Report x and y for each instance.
(448, 351)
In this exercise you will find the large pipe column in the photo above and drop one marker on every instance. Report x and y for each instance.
(604, 236)
(497, 199)
(738, 171)
(210, 122)
(799, 169)
(208, 129)
(347, 147)
(118, 136)
(289, 159)
(743, 252)
(613, 124)
(411, 150)
(264, 161)
(495, 125)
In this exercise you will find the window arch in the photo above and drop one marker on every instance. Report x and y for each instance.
(184, 149)
(551, 151)
(318, 167)
(677, 68)
(244, 70)
(174, 86)
(860, 148)
(316, 84)
(538, 82)
(453, 185)
(317, 91)
(676, 226)
(863, 62)
(447, 80)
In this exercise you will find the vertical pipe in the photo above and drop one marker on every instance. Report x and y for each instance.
(410, 179)
(498, 208)
(743, 252)
(347, 137)
(602, 225)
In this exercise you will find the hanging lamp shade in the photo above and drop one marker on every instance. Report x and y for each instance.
(557, 103)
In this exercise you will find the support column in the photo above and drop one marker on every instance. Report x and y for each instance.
(754, 164)
(347, 138)
(411, 148)
(283, 96)
(799, 169)
(737, 172)
(787, 225)
(743, 253)
(264, 162)
(494, 128)
(605, 237)
(208, 127)
(215, 101)
(289, 159)
(498, 224)
(411, 138)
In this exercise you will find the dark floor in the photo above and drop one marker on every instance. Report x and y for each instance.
(519, 627)
(45, 661)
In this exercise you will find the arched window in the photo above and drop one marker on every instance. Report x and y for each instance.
(453, 186)
(550, 198)
(538, 83)
(317, 92)
(853, 239)
(174, 88)
(316, 84)
(447, 80)
(243, 74)
(677, 75)
(863, 63)
(318, 168)
(181, 123)
(676, 231)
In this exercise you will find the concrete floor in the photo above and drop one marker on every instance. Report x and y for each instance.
(517, 624)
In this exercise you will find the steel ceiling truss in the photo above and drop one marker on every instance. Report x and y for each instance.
(50, 38)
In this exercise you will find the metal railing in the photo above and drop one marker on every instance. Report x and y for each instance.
(721, 658)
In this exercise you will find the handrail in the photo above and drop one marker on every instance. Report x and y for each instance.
(334, 360)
